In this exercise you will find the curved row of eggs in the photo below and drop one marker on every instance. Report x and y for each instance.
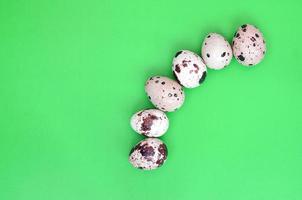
(190, 70)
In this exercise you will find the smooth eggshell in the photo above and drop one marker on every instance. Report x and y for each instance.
(148, 154)
(165, 93)
(150, 122)
(216, 51)
(248, 45)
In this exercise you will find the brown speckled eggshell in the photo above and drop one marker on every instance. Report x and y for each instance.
(249, 45)
(150, 122)
(148, 154)
(165, 93)
(189, 69)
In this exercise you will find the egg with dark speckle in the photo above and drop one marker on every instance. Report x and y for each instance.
(216, 51)
(189, 69)
(150, 122)
(165, 93)
(148, 154)
(249, 46)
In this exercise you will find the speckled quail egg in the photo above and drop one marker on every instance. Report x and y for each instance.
(189, 69)
(148, 154)
(216, 51)
(165, 93)
(150, 122)
(248, 45)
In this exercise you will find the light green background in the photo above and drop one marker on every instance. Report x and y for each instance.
(72, 73)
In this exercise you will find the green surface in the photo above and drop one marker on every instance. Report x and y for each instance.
(72, 73)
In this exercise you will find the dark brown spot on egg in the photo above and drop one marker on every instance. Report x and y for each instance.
(136, 147)
(208, 55)
(209, 36)
(256, 35)
(147, 151)
(148, 122)
(237, 35)
(253, 39)
(163, 150)
(163, 83)
(185, 62)
(178, 53)
(243, 26)
(160, 162)
(156, 81)
(240, 57)
(203, 77)
(223, 54)
(177, 68)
